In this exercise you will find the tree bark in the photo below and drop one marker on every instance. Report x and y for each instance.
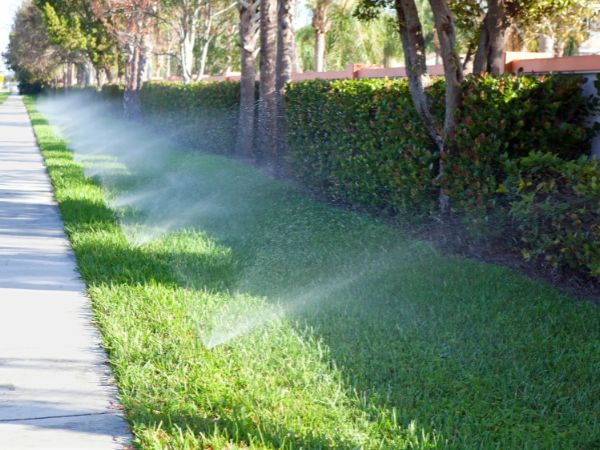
(267, 108)
(490, 50)
(413, 43)
(453, 76)
(204, 57)
(321, 24)
(319, 51)
(80, 74)
(186, 51)
(248, 30)
(130, 97)
(480, 63)
(285, 63)
(101, 78)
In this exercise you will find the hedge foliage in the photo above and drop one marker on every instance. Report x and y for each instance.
(361, 142)
(556, 210)
(202, 115)
(517, 165)
(506, 118)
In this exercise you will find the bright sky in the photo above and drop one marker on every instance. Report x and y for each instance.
(7, 13)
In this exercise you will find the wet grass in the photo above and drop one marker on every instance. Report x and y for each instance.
(353, 335)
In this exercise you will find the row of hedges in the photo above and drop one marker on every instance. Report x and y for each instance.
(517, 166)
(202, 115)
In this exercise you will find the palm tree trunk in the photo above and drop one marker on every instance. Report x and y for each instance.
(286, 51)
(245, 133)
(267, 108)
(321, 25)
(319, 51)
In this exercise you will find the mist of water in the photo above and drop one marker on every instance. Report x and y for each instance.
(158, 187)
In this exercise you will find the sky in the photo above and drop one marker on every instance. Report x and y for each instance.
(7, 13)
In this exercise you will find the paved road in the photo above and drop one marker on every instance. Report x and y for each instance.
(55, 390)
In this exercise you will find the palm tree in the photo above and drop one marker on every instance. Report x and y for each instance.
(267, 107)
(321, 25)
(249, 24)
(286, 61)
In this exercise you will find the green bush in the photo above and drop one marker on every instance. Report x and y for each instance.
(202, 115)
(556, 210)
(360, 142)
(505, 118)
(112, 91)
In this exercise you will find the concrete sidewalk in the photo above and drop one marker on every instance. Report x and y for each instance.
(55, 390)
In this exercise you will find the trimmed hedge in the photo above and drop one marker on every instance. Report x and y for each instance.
(361, 142)
(506, 118)
(556, 210)
(516, 168)
(202, 115)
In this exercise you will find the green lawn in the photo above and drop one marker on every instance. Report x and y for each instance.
(3, 97)
(335, 330)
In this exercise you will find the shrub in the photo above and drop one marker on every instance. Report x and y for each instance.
(112, 91)
(505, 118)
(556, 210)
(361, 142)
(202, 115)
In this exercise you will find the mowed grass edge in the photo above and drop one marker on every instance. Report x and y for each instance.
(522, 377)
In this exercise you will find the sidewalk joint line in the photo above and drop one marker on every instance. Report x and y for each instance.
(55, 417)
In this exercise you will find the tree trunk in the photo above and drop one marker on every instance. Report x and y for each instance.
(245, 132)
(545, 43)
(186, 49)
(513, 41)
(100, 78)
(81, 75)
(130, 95)
(490, 51)
(285, 62)
(480, 63)
(204, 58)
(110, 79)
(453, 75)
(66, 75)
(468, 56)
(319, 51)
(413, 43)
(267, 108)
(321, 24)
